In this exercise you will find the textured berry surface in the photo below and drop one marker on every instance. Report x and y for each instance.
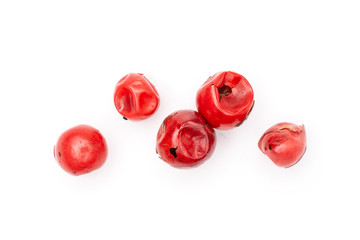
(80, 150)
(225, 100)
(135, 97)
(284, 143)
(185, 139)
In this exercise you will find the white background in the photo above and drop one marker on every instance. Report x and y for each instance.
(60, 61)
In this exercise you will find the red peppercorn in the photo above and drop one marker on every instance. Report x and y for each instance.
(284, 143)
(81, 149)
(225, 100)
(135, 97)
(185, 139)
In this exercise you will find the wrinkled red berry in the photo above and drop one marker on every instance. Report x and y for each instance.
(284, 143)
(135, 97)
(225, 100)
(81, 149)
(185, 139)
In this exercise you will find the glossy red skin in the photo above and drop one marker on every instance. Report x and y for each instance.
(135, 97)
(229, 110)
(80, 150)
(284, 143)
(189, 136)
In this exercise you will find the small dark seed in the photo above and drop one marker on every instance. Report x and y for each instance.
(59, 154)
(224, 90)
(238, 125)
(173, 152)
(270, 147)
(125, 118)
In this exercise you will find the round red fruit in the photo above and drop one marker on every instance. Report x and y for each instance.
(284, 143)
(135, 97)
(185, 139)
(80, 150)
(225, 100)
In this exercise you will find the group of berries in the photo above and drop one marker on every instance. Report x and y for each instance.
(186, 138)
